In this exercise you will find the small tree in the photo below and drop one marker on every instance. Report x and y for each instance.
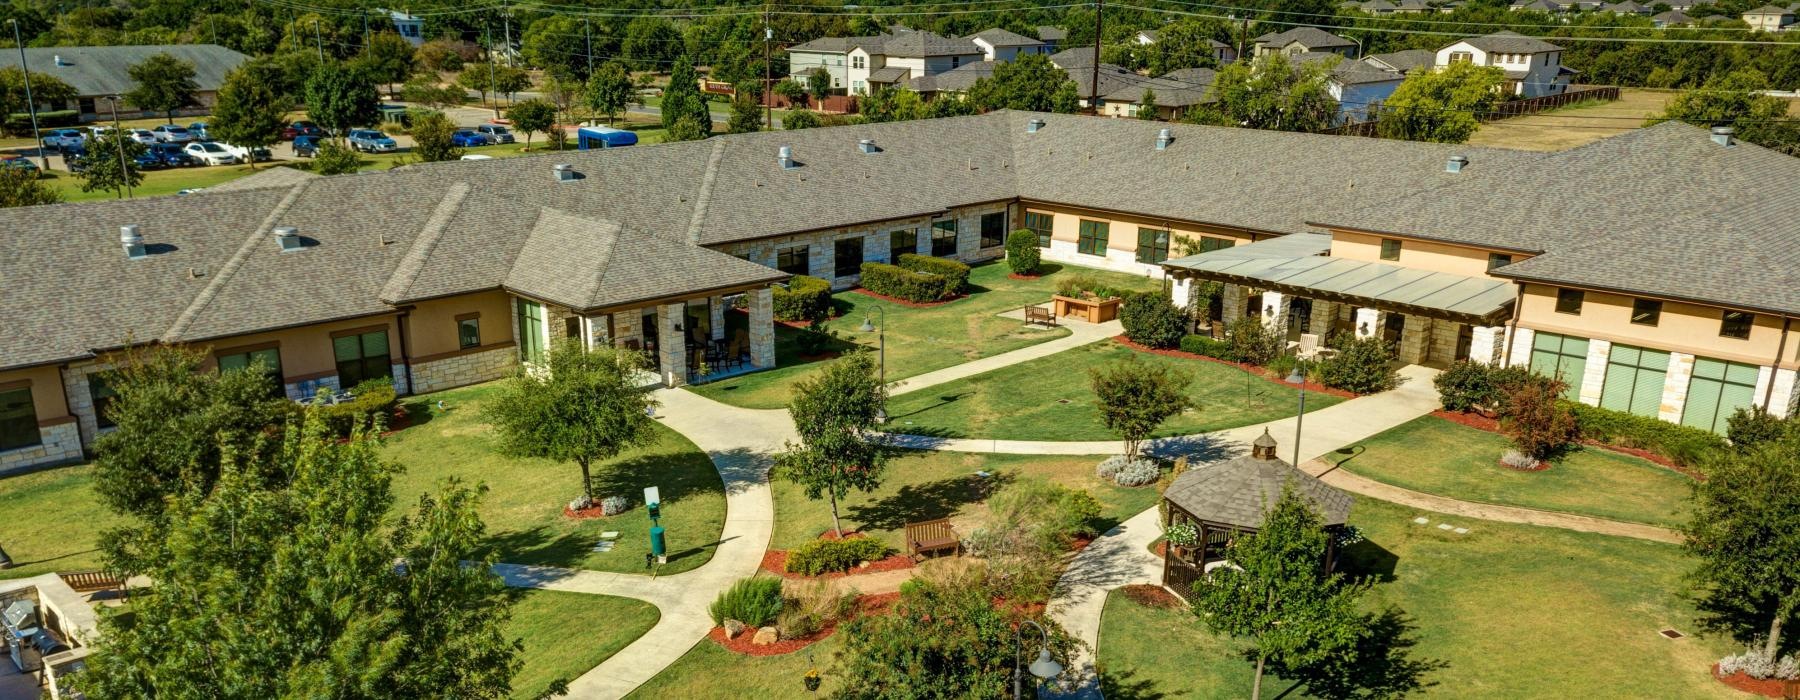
(111, 163)
(164, 84)
(1147, 106)
(1022, 254)
(1135, 398)
(746, 115)
(686, 128)
(1745, 530)
(792, 90)
(387, 59)
(1361, 365)
(834, 412)
(431, 132)
(584, 406)
(1539, 425)
(800, 119)
(1277, 596)
(683, 99)
(336, 159)
(818, 85)
(249, 111)
(338, 99)
(1152, 320)
(609, 90)
(20, 187)
(532, 116)
(1445, 105)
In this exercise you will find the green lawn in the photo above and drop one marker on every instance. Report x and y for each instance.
(930, 485)
(1436, 456)
(63, 540)
(565, 634)
(1516, 611)
(525, 499)
(709, 672)
(1050, 399)
(919, 340)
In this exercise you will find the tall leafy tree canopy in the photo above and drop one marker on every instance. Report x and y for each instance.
(532, 117)
(834, 412)
(1030, 83)
(387, 59)
(1270, 93)
(250, 111)
(45, 89)
(111, 163)
(339, 98)
(1736, 100)
(1441, 105)
(1745, 531)
(164, 84)
(683, 99)
(609, 90)
(585, 407)
(651, 43)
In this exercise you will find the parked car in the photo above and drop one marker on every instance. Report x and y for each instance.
(372, 141)
(301, 128)
(244, 155)
(209, 153)
(143, 136)
(496, 133)
(73, 159)
(18, 162)
(171, 155)
(147, 160)
(306, 146)
(99, 131)
(465, 138)
(64, 139)
(197, 130)
(172, 133)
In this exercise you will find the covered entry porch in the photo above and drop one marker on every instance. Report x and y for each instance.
(1295, 288)
(684, 340)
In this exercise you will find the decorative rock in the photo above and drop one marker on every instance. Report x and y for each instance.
(733, 628)
(863, 565)
(1444, 526)
(1421, 521)
(766, 636)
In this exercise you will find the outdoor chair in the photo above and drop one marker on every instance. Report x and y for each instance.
(932, 536)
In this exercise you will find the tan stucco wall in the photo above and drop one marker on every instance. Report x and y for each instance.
(306, 351)
(432, 324)
(1122, 229)
(1688, 328)
(1423, 255)
(46, 390)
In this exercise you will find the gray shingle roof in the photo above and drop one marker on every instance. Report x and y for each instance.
(101, 70)
(590, 265)
(1182, 88)
(841, 44)
(1347, 72)
(278, 176)
(1406, 60)
(1312, 38)
(922, 44)
(888, 74)
(1770, 10)
(1672, 17)
(958, 79)
(1048, 33)
(1242, 491)
(1510, 42)
(1000, 37)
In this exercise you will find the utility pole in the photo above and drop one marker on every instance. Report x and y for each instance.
(30, 106)
(506, 16)
(118, 135)
(319, 41)
(1094, 84)
(365, 17)
(588, 32)
(767, 87)
(487, 36)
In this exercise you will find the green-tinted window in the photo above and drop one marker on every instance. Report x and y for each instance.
(1634, 380)
(1209, 244)
(792, 260)
(468, 333)
(1568, 301)
(1092, 240)
(1040, 224)
(902, 243)
(531, 331)
(993, 229)
(1390, 249)
(1152, 245)
(1498, 260)
(1736, 324)
(18, 419)
(361, 358)
(1560, 356)
(847, 256)
(1717, 389)
(268, 358)
(101, 394)
(943, 238)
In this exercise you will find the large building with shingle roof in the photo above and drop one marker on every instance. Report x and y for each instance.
(99, 72)
(1677, 247)
(1533, 67)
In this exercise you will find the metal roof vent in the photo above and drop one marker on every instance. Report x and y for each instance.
(786, 156)
(1456, 163)
(1722, 135)
(563, 172)
(133, 240)
(288, 237)
(866, 145)
(1032, 126)
(1163, 138)
(58, 60)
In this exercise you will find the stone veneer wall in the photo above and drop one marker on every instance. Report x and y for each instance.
(462, 370)
(81, 400)
(877, 238)
(60, 444)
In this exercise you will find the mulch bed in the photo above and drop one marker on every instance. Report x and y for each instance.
(774, 561)
(1540, 466)
(591, 512)
(1247, 367)
(1151, 596)
(908, 304)
(1017, 276)
(1770, 688)
(866, 605)
(1491, 424)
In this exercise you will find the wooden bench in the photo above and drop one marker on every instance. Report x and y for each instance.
(1040, 315)
(932, 536)
(88, 581)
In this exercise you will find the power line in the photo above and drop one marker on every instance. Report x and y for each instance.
(1426, 32)
(1378, 18)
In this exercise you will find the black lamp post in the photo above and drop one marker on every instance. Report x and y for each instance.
(5, 561)
(30, 104)
(881, 338)
(1044, 668)
(1299, 381)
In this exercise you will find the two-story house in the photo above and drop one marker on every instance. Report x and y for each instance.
(1000, 45)
(829, 53)
(1299, 40)
(1533, 66)
(1770, 18)
(857, 64)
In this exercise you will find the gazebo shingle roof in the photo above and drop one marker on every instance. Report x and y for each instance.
(1241, 491)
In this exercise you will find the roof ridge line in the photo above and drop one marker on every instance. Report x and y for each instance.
(407, 272)
(230, 268)
(703, 199)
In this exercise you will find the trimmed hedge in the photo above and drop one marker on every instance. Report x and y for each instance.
(804, 299)
(901, 283)
(1203, 345)
(20, 123)
(1681, 444)
(823, 556)
(956, 272)
(1466, 385)
(1022, 254)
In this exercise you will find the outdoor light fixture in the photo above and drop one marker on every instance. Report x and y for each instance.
(867, 326)
(881, 416)
(1044, 668)
(1298, 380)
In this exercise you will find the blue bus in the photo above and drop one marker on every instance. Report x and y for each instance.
(604, 137)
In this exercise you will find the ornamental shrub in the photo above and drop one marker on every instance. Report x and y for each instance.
(1750, 426)
(1203, 345)
(1150, 319)
(955, 272)
(804, 299)
(824, 556)
(1540, 426)
(1076, 285)
(1253, 342)
(1137, 472)
(1756, 663)
(373, 403)
(753, 601)
(1022, 254)
(901, 283)
(1361, 365)
(1468, 385)
(1681, 444)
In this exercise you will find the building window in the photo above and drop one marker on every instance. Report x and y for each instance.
(1390, 249)
(1498, 260)
(1634, 380)
(847, 256)
(943, 238)
(1736, 324)
(269, 358)
(531, 331)
(1152, 245)
(1461, 57)
(1561, 356)
(1209, 244)
(468, 331)
(361, 357)
(1568, 301)
(905, 242)
(18, 419)
(955, 61)
(993, 229)
(1041, 225)
(857, 86)
(1646, 312)
(792, 260)
(1717, 389)
(856, 61)
(1092, 240)
(100, 395)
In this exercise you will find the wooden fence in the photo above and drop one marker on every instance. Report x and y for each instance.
(1506, 110)
(832, 104)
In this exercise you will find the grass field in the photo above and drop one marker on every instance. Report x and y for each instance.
(565, 634)
(63, 541)
(1436, 456)
(1514, 611)
(919, 340)
(709, 672)
(1050, 398)
(930, 485)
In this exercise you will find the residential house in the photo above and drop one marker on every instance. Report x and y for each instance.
(1001, 45)
(1299, 40)
(1374, 7)
(1628, 7)
(409, 26)
(1533, 66)
(1672, 18)
(1052, 37)
(857, 64)
(1175, 93)
(100, 73)
(1359, 86)
(1413, 7)
(1770, 18)
(1403, 61)
(1550, 6)
(831, 54)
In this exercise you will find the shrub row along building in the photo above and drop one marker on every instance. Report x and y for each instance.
(1654, 270)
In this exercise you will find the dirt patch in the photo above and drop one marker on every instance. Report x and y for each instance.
(1770, 688)
(866, 605)
(908, 304)
(1253, 369)
(1151, 596)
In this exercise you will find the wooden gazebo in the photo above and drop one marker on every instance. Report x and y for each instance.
(1226, 499)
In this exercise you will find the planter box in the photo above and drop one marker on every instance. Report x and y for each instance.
(1090, 310)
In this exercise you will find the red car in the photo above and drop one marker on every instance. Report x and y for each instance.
(301, 128)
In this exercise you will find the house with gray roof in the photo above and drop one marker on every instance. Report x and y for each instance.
(860, 64)
(1001, 45)
(1052, 37)
(1403, 61)
(100, 72)
(1672, 18)
(1299, 40)
(1770, 18)
(1533, 66)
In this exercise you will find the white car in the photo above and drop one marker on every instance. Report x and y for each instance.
(476, 156)
(243, 154)
(99, 132)
(64, 139)
(144, 136)
(209, 153)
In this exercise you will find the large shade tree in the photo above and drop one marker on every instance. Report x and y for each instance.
(835, 412)
(1270, 93)
(1029, 83)
(580, 406)
(250, 111)
(163, 83)
(1445, 106)
(340, 98)
(1745, 531)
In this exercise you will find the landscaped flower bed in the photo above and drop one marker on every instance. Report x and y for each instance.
(1257, 370)
(742, 644)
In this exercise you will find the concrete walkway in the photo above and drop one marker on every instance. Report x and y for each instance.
(1081, 333)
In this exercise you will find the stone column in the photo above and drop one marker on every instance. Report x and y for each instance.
(1368, 323)
(1180, 289)
(626, 327)
(1274, 311)
(1675, 387)
(1415, 340)
(671, 343)
(762, 328)
(1323, 312)
(1486, 344)
(1232, 300)
(716, 305)
(1521, 347)
(1593, 376)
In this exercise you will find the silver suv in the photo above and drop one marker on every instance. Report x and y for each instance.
(496, 133)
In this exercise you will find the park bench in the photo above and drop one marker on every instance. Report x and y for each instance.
(1040, 315)
(932, 536)
(87, 581)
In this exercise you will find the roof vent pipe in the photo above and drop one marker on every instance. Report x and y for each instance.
(786, 156)
(1455, 164)
(1163, 138)
(288, 237)
(133, 240)
(563, 172)
(57, 60)
(1722, 135)
(866, 145)
(1032, 126)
